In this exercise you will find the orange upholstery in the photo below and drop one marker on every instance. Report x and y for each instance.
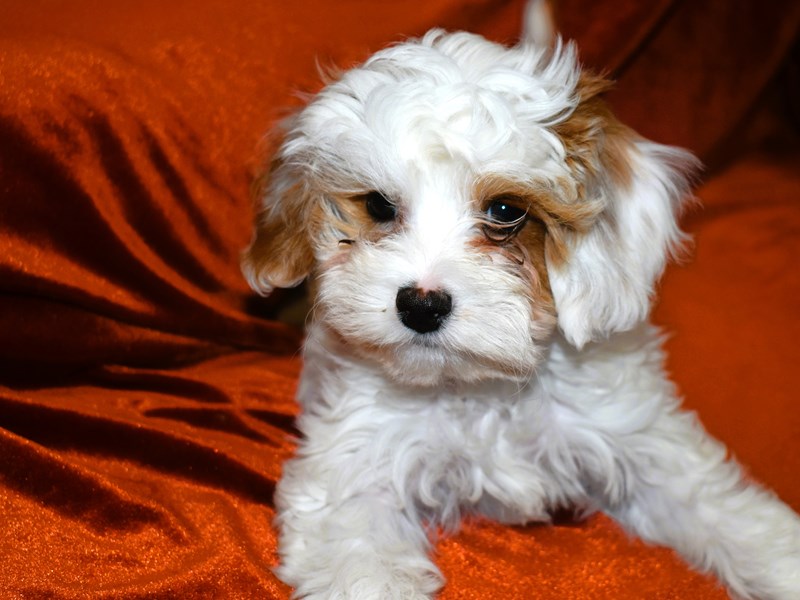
(146, 397)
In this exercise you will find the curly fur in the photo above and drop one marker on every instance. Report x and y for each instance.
(544, 387)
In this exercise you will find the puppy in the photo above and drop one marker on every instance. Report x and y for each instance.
(482, 238)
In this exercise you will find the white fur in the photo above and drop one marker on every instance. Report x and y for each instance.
(508, 410)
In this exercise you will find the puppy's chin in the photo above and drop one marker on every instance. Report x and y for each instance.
(430, 361)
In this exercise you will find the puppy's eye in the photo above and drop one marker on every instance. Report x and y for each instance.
(500, 211)
(504, 219)
(379, 207)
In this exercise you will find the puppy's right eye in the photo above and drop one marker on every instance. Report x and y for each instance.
(379, 207)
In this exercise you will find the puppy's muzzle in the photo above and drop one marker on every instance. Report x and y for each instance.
(423, 310)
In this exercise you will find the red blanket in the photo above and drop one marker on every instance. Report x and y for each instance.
(146, 397)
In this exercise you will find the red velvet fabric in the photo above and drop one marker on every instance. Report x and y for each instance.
(146, 397)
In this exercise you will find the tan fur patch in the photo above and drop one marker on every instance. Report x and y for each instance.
(550, 216)
(348, 215)
(531, 244)
(527, 247)
(596, 144)
(594, 139)
(281, 247)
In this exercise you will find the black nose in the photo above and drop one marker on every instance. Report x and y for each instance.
(423, 311)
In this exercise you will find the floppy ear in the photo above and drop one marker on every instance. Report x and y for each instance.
(280, 254)
(607, 278)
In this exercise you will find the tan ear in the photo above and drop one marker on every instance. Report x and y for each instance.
(280, 254)
(607, 281)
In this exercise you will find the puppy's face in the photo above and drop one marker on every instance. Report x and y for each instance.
(455, 200)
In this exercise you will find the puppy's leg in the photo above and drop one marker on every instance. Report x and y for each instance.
(682, 492)
(357, 545)
(653, 467)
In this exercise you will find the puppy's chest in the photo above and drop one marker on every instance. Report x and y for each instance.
(475, 448)
(477, 427)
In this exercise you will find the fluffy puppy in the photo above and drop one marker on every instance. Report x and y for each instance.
(482, 239)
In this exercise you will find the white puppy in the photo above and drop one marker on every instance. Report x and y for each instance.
(482, 239)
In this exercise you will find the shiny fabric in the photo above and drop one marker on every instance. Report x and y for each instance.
(146, 397)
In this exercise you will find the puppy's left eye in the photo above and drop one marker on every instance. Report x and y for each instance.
(504, 219)
(379, 207)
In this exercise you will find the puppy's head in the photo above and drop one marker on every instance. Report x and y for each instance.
(455, 201)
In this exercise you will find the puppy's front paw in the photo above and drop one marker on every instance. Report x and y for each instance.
(783, 578)
(363, 577)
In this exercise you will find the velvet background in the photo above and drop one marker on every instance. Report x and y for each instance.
(146, 396)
